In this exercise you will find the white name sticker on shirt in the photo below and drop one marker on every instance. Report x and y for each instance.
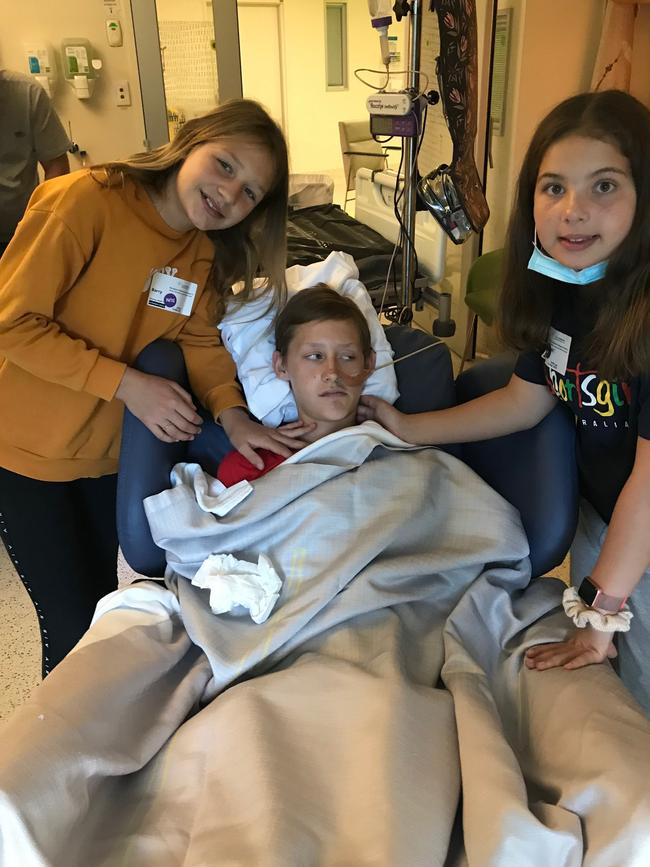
(171, 293)
(556, 356)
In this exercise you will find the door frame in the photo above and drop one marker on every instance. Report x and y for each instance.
(150, 72)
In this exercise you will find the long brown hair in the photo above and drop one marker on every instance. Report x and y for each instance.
(619, 344)
(257, 246)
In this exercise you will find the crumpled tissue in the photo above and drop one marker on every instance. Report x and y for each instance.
(236, 583)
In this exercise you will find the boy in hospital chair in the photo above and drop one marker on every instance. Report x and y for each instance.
(323, 351)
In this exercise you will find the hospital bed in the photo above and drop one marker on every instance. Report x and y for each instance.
(369, 237)
(388, 680)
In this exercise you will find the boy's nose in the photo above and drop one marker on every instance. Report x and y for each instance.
(330, 370)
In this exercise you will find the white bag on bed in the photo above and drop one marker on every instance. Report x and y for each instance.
(247, 333)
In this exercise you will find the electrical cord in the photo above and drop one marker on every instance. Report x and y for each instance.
(389, 73)
(403, 233)
(399, 238)
(412, 180)
(399, 194)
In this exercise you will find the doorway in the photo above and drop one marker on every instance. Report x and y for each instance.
(186, 64)
(262, 62)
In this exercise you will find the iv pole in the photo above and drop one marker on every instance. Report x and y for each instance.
(454, 194)
(410, 163)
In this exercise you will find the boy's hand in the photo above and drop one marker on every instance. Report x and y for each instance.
(162, 405)
(585, 647)
(247, 435)
(376, 409)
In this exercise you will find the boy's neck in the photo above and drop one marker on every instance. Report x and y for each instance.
(323, 428)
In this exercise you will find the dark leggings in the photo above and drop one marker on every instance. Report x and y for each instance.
(145, 462)
(62, 539)
(62, 536)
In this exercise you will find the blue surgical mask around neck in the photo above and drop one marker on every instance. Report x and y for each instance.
(543, 264)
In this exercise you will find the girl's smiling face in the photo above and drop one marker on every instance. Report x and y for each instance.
(219, 184)
(584, 202)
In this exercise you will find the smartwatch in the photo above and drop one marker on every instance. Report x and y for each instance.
(593, 596)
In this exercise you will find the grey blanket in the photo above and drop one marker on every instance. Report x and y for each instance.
(340, 731)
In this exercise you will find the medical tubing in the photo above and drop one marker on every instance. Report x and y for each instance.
(408, 355)
(399, 197)
(399, 236)
(388, 73)
(396, 200)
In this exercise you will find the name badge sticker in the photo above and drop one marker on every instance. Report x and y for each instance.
(170, 293)
(556, 356)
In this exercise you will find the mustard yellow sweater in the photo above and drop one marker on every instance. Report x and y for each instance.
(74, 314)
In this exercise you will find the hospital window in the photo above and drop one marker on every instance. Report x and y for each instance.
(336, 45)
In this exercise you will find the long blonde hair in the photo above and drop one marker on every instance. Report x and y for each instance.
(257, 246)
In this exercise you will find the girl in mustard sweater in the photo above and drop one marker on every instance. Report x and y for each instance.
(105, 261)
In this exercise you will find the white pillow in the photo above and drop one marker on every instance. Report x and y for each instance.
(247, 333)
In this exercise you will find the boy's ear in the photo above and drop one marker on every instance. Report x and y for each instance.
(370, 362)
(278, 366)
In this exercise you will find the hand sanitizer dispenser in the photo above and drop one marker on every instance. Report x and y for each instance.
(40, 64)
(80, 68)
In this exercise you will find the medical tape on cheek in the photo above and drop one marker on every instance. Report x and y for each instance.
(351, 380)
(359, 377)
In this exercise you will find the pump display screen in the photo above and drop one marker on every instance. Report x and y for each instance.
(404, 126)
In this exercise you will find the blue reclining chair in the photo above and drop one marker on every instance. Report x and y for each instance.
(425, 382)
(533, 470)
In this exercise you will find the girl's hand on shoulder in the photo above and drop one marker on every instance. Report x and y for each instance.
(585, 647)
(247, 435)
(376, 409)
(161, 405)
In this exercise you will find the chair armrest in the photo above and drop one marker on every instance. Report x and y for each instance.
(145, 465)
(146, 462)
(377, 154)
(535, 470)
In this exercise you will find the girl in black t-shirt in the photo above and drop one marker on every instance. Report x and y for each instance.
(579, 310)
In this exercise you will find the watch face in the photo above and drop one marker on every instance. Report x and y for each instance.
(587, 591)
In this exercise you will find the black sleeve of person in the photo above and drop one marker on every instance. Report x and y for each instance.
(530, 366)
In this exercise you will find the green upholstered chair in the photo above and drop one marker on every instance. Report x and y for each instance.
(481, 294)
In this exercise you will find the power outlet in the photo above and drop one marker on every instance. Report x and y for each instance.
(122, 93)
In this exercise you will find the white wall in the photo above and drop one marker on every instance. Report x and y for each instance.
(312, 111)
(553, 49)
(184, 10)
(99, 126)
(261, 49)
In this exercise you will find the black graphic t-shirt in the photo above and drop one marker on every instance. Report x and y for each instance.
(610, 415)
